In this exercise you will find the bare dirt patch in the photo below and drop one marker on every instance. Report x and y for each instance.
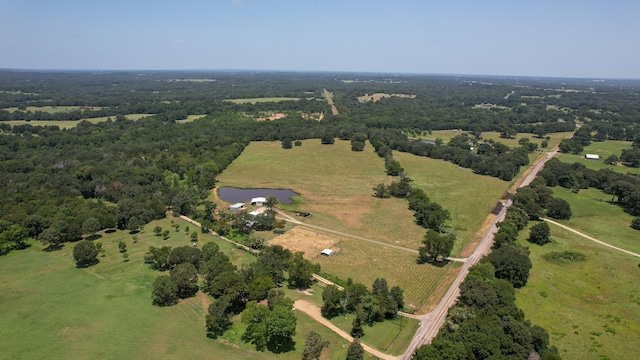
(307, 241)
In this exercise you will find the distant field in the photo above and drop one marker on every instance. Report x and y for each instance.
(335, 185)
(190, 118)
(595, 216)
(50, 309)
(590, 308)
(468, 197)
(265, 99)
(377, 96)
(446, 135)
(54, 109)
(604, 150)
(68, 124)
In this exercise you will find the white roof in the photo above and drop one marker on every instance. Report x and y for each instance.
(255, 213)
(326, 252)
(592, 156)
(259, 199)
(236, 206)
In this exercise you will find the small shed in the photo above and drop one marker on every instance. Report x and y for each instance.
(258, 201)
(255, 213)
(591, 156)
(237, 207)
(327, 252)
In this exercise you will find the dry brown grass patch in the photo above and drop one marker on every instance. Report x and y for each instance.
(307, 241)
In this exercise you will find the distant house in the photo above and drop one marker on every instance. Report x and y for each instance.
(258, 201)
(591, 156)
(237, 207)
(327, 252)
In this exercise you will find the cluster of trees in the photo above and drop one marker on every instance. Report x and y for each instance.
(486, 324)
(235, 290)
(369, 306)
(624, 188)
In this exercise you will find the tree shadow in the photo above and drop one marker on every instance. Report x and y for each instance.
(87, 264)
(52, 248)
(441, 263)
(110, 231)
(133, 232)
(279, 344)
(93, 237)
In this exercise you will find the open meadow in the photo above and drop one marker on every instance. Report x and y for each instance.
(591, 307)
(68, 124)
(604, 150)
(51, 309)
(594, 215)
(446, 135)
(264, 99)
(53, 109)
(335, 185)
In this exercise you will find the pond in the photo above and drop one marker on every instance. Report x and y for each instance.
(235, 195)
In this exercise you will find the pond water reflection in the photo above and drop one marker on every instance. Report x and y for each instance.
(235, 195)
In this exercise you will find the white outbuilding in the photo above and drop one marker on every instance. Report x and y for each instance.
(591, 156)
(327, 252)
(258, 201)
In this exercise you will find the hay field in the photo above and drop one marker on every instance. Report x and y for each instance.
(468, 197)
(604, 150)
(377, 96)
(446, 135)
(264, 99)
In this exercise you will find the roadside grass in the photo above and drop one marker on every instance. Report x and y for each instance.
(68, 124)
(604, 150)
(263, 99)
(467, 196)
(423, 284)
(50, 309)
(389, 336)
(590, 308)
(595, 216)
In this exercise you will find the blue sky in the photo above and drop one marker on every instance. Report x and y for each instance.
(561, 38)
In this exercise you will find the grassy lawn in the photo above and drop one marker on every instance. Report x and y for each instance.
(593, 215)
(389, 336)
(67, 124)
(604, 150)
(468, 197)
(50, 309)
(446, 135)
(265, 99)
(590, 308)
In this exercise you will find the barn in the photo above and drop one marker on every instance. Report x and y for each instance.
(259, 201)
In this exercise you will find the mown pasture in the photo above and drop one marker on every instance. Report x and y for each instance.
(51, 309)
(590, 308)
(335, 185)
(594, 215)
(604, 150)
(468, 197)
(446, 135)
(68, 124)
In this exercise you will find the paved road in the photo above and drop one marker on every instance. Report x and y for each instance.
(589, 237)
(433, 321)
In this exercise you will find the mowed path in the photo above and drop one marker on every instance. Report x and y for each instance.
(314, 311)
(589, 237)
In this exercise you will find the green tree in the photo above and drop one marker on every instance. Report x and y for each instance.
(185, 276)
(51, 237)
(559, 209)
(218, 317)
(327, 139)
(85, 253)
(255, 318)
(91, 226)
(301, 271)
(539, 234)
(512, 264)
(381, 191)
(122, 246)
(259, 287)
(356, 327)
(165, 234)
(133, 224)
(194, 236)
(281, 327)
(355, 351)
(165, 291)
(635, 223)
(157, 230)
(313, 346)
(125, 256)
(286, 143)
(271, 202)
(436, 246)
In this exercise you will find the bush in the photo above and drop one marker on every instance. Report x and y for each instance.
(636, 223)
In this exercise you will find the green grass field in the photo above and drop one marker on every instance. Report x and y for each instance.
(335, 185)
(446, 135)
(52, 310)
(468, 197)
(604, 150)
(595, 216)
(68, 124)
(590, 308)
(264, 99)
